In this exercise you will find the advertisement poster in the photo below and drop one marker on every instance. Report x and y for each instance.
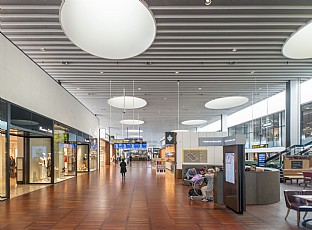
(229, 168)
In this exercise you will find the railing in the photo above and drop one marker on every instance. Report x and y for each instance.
(292, 150)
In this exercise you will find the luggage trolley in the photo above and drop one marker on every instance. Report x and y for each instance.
(196, 182)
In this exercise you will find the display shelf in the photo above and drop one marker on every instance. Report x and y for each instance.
(160, 166)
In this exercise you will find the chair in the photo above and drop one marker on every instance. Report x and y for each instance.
(295, 203)
(307, 178)
(307, 192)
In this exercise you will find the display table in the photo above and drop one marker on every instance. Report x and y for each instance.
(160, 166)
(262, 187)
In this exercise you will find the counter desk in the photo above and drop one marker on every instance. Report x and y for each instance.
(262, 187)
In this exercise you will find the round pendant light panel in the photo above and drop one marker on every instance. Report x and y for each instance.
(298, 46)
(226, 102)
(113, 29)
(193, 122)
(127, 102)
(180, 131)
(132, 122)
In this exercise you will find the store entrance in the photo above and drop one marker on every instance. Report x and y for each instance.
(83, 157)
(16, 160)
(30, 158)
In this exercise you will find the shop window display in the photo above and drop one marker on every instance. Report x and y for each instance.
(40, 150)
(65, 151)
(3, 129)
(82, 157)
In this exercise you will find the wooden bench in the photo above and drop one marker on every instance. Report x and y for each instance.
(296, 177)
(292, 174)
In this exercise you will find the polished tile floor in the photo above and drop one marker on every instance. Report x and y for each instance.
(144, 200)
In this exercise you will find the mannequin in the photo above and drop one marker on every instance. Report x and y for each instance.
(43, 166)
(49, 165)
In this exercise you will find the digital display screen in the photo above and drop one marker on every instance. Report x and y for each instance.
(261, 159)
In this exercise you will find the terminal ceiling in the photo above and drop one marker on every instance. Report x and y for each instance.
(195, 44)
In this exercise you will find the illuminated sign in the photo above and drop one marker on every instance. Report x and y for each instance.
(259, 146)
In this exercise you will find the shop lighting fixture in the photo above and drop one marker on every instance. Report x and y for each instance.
(132, 122)
(208, 2)
(112, 29)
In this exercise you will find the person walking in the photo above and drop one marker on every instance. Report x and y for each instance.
(123, 168)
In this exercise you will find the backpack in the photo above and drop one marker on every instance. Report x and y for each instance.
(195, 192)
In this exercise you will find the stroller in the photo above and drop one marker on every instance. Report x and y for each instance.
(197, 182)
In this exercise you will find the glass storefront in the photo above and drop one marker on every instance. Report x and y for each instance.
(40, 160)
(306, 123)
(65, 153)
(265, 130)
(3, 130)
(82, 157)
(93, 154)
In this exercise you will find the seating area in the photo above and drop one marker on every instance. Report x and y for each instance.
(292, 174)
(296, 203)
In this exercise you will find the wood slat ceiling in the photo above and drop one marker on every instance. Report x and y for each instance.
(193, 39)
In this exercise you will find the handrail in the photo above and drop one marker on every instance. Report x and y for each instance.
(288, 149)
(282, 153)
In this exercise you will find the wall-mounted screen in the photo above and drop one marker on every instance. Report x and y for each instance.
(229, 168)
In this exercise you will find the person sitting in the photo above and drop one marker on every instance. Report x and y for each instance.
(207, 190)
(190, 173)
(203, 170)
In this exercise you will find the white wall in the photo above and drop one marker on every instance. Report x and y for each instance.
(189, 140)
(24, 83)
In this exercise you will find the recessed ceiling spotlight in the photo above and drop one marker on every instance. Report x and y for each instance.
(78, 88)
(148, 63)
(252, 72)
(42, 49)
(139, 88)
(176, 72)
(165, 98)
(101, 72)
(208, 2)
(199, 88)
(232, 62)
(234, 49)
(65, 62)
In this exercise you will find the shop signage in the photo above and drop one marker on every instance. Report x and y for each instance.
(155, 150)
(127, 140)
(210, 141)
(259, 146)
(222, 141)
(169, 138)
(130, 145)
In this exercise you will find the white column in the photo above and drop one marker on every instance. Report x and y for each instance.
(294, 114)
(224, 126)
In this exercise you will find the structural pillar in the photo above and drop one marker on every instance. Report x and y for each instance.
(224, 126)
(293, 118)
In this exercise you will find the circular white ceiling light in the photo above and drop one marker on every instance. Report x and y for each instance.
(194, 122)
(131, 122)
(226, 102)
(180, 131)
(298, 45)
(134, 131)
(127, 102)
(112, 29)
